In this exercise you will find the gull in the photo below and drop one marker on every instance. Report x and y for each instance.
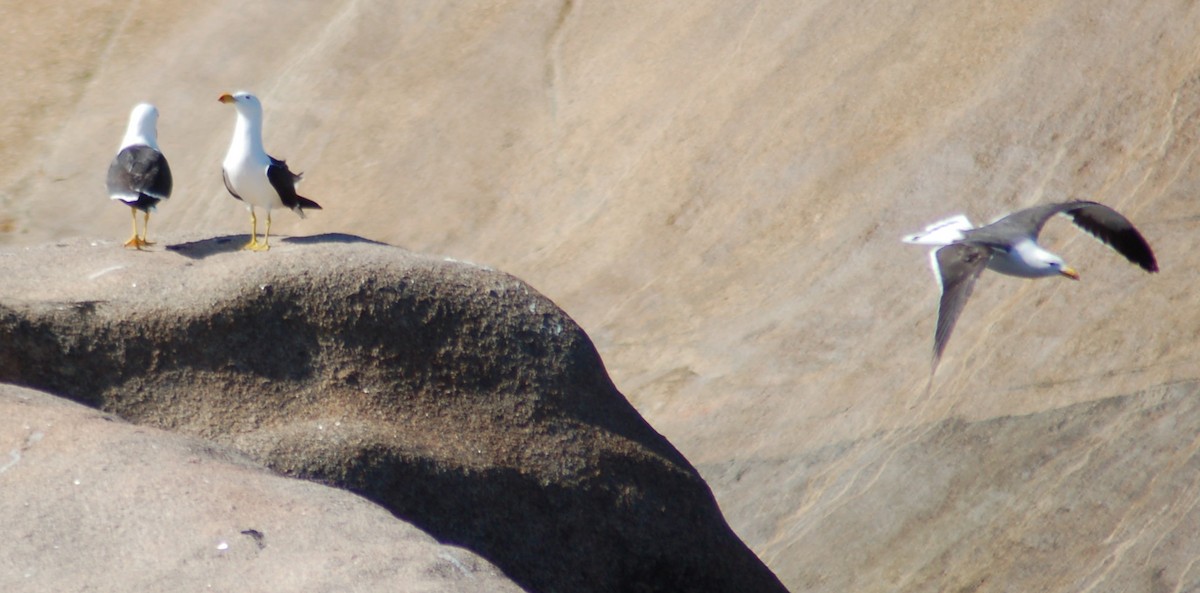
(1010, 246)
(255, 177)
(139, 175)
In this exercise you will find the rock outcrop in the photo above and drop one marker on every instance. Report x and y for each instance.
(92, 503)
(455, 396)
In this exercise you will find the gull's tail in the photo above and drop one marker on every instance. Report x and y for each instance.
(302, 203)
(942, 232)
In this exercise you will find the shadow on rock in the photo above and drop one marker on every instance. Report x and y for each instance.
(330, 238)
(455, 396)
(209, 247)
(233, 243)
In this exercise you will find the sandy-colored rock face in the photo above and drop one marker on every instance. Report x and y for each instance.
(455, 396)
(92, 502)
(714, 190)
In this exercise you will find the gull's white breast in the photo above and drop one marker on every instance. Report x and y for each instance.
(1026, 259)
(248, 175)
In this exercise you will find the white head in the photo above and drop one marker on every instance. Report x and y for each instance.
(1027, 259)
(246, 104)
(143, 127)
(1057, 267)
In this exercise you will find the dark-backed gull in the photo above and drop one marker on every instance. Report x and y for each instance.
(1009, 246)
(139, 175)
(254, 177)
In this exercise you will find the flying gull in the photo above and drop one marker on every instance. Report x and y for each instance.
(1009, 246)
(139, 175)
(255, 177)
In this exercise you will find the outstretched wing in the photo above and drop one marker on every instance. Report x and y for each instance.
(1099, 220)
(959, 266)
(1022, 223)
(1114, 230)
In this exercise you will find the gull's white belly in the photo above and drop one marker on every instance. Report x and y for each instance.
(250, 182)
(1025, 260)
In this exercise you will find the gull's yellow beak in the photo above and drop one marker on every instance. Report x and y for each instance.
(226, 98)
(1069, 272)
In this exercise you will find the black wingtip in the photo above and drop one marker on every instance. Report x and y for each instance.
(1131, 244)
(1118, 232)
(307, 204)
(939, 348)
(1149, 262)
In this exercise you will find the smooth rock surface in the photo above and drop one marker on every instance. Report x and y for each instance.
(93, 503)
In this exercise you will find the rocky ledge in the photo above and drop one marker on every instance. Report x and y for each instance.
(455, 396)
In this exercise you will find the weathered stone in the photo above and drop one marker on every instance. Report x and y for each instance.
(455, 396)
(93, 503)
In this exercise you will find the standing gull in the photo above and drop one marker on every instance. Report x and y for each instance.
(139, 175)
(1009, 246)
(255, 177)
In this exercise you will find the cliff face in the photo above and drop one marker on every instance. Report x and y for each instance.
(715, 191)
(455, 396)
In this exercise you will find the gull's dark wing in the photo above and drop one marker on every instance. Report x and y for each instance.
(1022, 224)
(959, 266)
(1114, 230)
(1099, 220)
(284, 181)
(138, 171)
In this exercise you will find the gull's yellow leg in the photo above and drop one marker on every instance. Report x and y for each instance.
(134, 241)
(253, 244)
(267, 237)
(145, 229)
